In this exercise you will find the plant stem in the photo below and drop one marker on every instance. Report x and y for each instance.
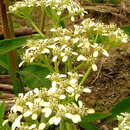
(47, 64)
(56, 66)
(78, 67)
(8, 34)
(35, 27)
(43, 19)
(85, 76)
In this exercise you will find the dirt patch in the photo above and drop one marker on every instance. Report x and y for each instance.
(113, 83)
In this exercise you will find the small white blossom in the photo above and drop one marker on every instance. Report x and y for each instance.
(87, 90)
(5, 122)
(68, 115)
(16, 123)
(27, 113)
(42, 126)
(76, 118)
(55, 120)
(47, 112)
(70, 89)
(34, 116)
(62, 97)
(95, 54)
(32, 127)
(94, 67)
(90, 111)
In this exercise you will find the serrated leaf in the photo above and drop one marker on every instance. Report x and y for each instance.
(4, 62)
(94, 117)
(12, 44)
(121, 107)
(88, 126)
(34, 76)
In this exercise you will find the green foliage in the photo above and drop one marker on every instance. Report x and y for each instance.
(2, 111)
(121, 107)
(88, 126)
(87, 121)
(4, 62)
(12, 44)
(34, 76)
(95, 117)
(126, 29)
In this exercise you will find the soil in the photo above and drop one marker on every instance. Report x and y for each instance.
(111, 83)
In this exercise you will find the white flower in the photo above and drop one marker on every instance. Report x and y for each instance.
(20, 95)
(54, 58)
(5, 122)
(87, 90)
(45, 51)
(62, 97)
(75, 40)
(45, 104)
(95, 54)
(80, 104)
(73, 81)
(27, 113)
(72, 19)
(41, 126)
(67, 38)
(94, 67)
(77, 96)
(55, 120)
(47, 112)
(34, 116)
(76, 118)
(81, 58)
(36, 91)
(61, 106)
(52, 90)
(21, 63)
(16, 123)
(16, 108)
(59, 13)
(54, 84)
(70, 89)
(53, 30)
(32, 126)
(124, 40)
(29, 104)
(68, 115)
(64, 59)
(105, 53)
(90, 111)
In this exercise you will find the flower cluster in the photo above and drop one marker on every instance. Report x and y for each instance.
(40, 108)
(123, 122)
(60, 6)
(64, 45)
(107, 33)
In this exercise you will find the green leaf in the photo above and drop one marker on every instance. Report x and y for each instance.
(126, 29)
(2, 111)
(88, 126)
(94, 117)
(34, 76)
(12, 44)
(4, 62)
(121, 107)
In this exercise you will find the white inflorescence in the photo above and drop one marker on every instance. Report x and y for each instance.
(66, 45)
(59, 6)
(123, 122)
(49, 107)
